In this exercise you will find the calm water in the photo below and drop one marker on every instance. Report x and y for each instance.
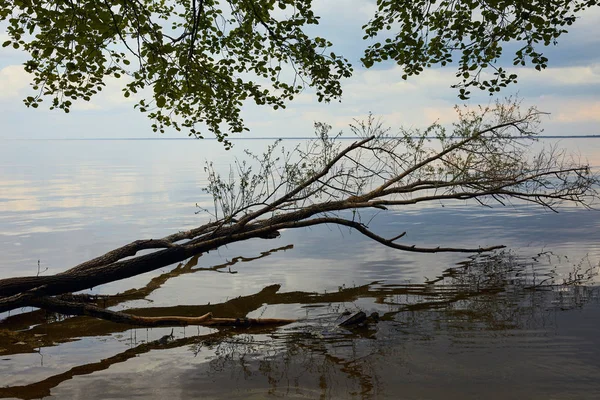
(453, 326)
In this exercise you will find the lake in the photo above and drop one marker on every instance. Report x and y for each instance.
(453, 326)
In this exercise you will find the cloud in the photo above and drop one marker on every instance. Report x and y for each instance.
(9, 55)
(341, 22)
(428, 98)
(579, 111)
(15, 85)
(415, 103)
(586, 23)
(568, 115)
(561, 76)
(14, 82)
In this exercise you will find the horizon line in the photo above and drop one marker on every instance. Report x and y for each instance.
(258, 138)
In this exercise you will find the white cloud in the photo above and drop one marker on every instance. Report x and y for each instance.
(15, 85)
(560, 76)
(9, 55)
(579, 111)
(344, 11)
(14, 82)
(568, 115)
(428, 98)
(586, 27)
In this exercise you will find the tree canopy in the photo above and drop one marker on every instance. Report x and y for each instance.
(192, 64)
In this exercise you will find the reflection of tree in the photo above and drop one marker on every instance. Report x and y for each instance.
(486, 294)
(42, 388)
(499, 292)
(54, 328)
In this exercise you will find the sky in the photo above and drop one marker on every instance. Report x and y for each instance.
(569, 89)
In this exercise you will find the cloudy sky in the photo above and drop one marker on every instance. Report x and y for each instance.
(569, 89)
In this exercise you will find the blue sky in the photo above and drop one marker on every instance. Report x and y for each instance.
(569, 90)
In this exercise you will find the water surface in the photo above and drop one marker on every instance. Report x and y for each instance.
(452, 326)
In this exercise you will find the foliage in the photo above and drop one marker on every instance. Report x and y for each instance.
(194, 63)
(200, 58)
(431, 32)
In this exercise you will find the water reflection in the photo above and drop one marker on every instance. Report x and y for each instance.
(48, 328)
(486, 322)
(476, 329)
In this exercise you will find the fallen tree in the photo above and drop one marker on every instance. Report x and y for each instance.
(486, 158)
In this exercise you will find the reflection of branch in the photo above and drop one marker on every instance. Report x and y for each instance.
(471, 278)
(25, 320)
(235, 260)
(42, 388)
(73, 308)
(49, 334)
(181, 269)
(454, 294)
